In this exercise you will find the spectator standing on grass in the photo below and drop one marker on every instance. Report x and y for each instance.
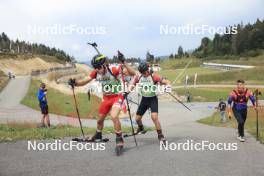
(43, 104)
(222, 110)
(188, 97)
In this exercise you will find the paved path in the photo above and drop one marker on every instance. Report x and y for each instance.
(145, 160)
(179, 126)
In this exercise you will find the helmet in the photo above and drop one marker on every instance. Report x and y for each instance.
(143, 67)
(98, 60)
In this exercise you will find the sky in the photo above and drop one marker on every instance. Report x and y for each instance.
(133, 27)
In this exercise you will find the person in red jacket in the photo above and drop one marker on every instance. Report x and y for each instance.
(240, 97)
(113, 100)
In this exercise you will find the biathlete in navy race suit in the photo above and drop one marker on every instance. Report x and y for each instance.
(239, 97)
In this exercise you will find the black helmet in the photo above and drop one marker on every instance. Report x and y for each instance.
(143, 67)
(98, 60)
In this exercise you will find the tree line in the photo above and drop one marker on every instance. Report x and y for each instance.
(248, 41)
(21, 47)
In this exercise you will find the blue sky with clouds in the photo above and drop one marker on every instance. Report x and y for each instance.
(130, 26)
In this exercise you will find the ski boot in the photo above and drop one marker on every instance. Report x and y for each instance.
(141, 130)
(97, 137)
(119, 145)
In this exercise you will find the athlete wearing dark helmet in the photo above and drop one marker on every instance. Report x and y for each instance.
(240, 97)
(113, 100)
(149, 100)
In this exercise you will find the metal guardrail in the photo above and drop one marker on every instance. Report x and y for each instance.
(44, 71)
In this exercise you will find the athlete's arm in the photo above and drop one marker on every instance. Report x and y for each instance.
(130, 70)
(134, 82)
(229, 102)
(165, 82)
(252, 99)
(83, 81)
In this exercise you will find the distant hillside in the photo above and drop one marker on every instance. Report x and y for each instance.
(9, 46)
(248, 41)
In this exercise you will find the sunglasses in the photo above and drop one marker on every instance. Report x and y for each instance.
(98, 67)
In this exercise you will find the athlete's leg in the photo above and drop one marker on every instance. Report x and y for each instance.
(240, 122)
(154, 116)
(155, 119)
(142, 108)
(244, 117)
(114, 117)
(47, 120)
(43, 120)
(104, 108)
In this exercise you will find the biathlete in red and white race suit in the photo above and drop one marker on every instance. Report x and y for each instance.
(113, 99)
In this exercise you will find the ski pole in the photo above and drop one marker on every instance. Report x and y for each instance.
(257, 119)
(124, 87)
(131, 101)
(77, 110)
(94, 45)
(132, 127)
(179, 101)
(89, 95)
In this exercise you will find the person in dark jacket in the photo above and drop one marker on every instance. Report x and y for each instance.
(240, 97)
(43, 104)
(222, 110)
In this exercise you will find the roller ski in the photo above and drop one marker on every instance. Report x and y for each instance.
(139, 131)
(96, 138)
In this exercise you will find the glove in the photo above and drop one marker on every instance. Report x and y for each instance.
(120, 57)
(125, 94)
(72, 82)
(167, 89)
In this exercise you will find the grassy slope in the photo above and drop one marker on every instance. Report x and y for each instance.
(172, 74)
(214, 120)
(3, 80)
(172, 68)
(62, 104)
(207, 94)
(252, 76)
(30, 56)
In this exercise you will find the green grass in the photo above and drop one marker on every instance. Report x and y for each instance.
(3, 80)
(172, 64)
(172, 68)
(250, 125)
(207, 94)
(172, 74)
(62, 104)
(256, 61)
(251, 76)
(14, 132)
